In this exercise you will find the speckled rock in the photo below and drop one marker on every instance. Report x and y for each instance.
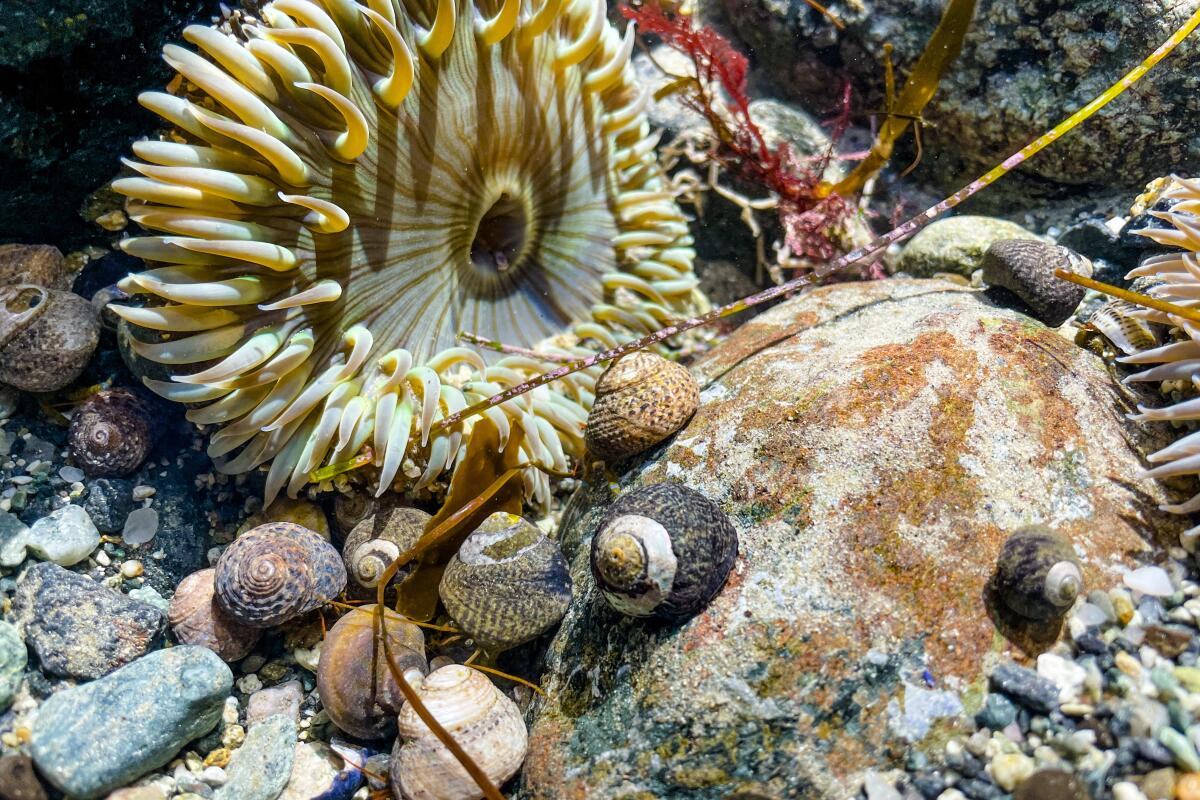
(14, 535)
(18, 780)
(1023, 67)
(13, 657)
(260, 768)
(873, 444)
(39, 264)
(77, 627)
(108, 503)
(95, 737)
(955, 245)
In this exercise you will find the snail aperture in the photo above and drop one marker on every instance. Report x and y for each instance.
(377, 540)
(664, 550)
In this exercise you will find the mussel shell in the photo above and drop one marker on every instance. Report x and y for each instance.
(359, 692)
(671, 581)
(1037, 573)
(508, 583)
(275, 572)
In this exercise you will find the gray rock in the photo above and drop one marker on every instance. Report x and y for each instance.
(1025, 268)
(77, 627)
(182, 538)
(260, 768)
(65, 536)
(109, 502)
(997, 713)
(955, 245)
(13, 657)
(1023, 67)
(14, 535)
(1026, 687)
(98, 736)
(872, 444)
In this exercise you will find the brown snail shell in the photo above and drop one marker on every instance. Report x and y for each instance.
(1026, 267)
(351, 509)
(46, 337)
(481, 718)
(358, 691)
(39, 264)
(640, 400)
(663, 550)
(197, 619)
(1038, 574)
(375, 542)
(507, 584)
(275, 572)
(111, 433)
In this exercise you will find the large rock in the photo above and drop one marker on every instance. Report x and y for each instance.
(98, 736)
(1023, 68)
(872, 443)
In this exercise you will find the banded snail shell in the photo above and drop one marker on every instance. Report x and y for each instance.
(641, 399)
(275, 572)
(507, 584)
(481, 718)
(375, 542)
(663, 550)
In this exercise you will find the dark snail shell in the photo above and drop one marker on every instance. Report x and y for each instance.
(1026, 267)
(664, 551)
(376, 541)
(111, 433)
(197, 619)
(1038, 574)
(358, 691)
(46, 337)
(640, 400)
(351, 509)
(275, 572)
(507, 584)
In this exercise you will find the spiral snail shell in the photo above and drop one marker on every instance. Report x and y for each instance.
(357, 690)
(507, 584)
(640, 400)
(375, 542)
(485, 722)
(111, 433)
(275, 572)
(46, 337)
(1037, 573)
(197, 619)
(663, 550)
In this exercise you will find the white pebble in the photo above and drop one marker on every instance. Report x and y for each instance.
(140, 526)
(213, 776)
(1009, 770)
(877, 787)
(1091, 615)
(249, 684)
(141, 492)
(1127, 791)
(1153, 581)
(1064, 673)
(71, 474)
(102, 558)
(131, 568)
(65, 536)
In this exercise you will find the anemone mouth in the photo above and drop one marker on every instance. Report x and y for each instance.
(349, 185)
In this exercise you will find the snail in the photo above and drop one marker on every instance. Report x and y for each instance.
(1026, 267)
(375, 542)
(111, 433)
(351, 509)
(197, 619)
(359, 692)
(664, 551)
(46, 337)
(507, 584)
(640, 400)
(1037, 573)
(38, 264)
(275, 572)
(484, 722)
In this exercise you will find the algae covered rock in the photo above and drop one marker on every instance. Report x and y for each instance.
(955, 245)
(873, 444)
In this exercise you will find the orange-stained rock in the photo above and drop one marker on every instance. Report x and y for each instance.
(873, 444)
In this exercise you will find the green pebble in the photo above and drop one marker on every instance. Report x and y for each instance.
(1165, 682)
(1189, 677)
(13, 657)
(1181, 748)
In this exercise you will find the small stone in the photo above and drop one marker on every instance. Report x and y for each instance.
(1189, 677)
(1126, 791)
(1128, 664)
(1185, 755)
(315, 768)
(108, 503)
(18, 780)
(1026, 687)
(1153, 581)
(283, 699)
(1122, 606)
(218, 758)
(150, 596)
(213, 775)
(79, 628)
(877, 787)
(998, 712)
(260, 768)
(233, 736)
(66, 536)
(13, 656)
(955, 245)
(1188, 787)
(131, 568)
(1159, 784)
(140, 526)
(71, 474)
(1168, 639)
(1009, 770)
(1090, 615)
(249, 684)
(13, 536)
(1064, 673)
(147, 792)
(95, 737)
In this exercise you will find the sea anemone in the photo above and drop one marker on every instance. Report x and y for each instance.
(1175, 277)
(349, 186)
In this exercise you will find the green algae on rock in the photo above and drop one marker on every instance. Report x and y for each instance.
(873, 443)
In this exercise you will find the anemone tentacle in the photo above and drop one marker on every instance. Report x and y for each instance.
(348, 185)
